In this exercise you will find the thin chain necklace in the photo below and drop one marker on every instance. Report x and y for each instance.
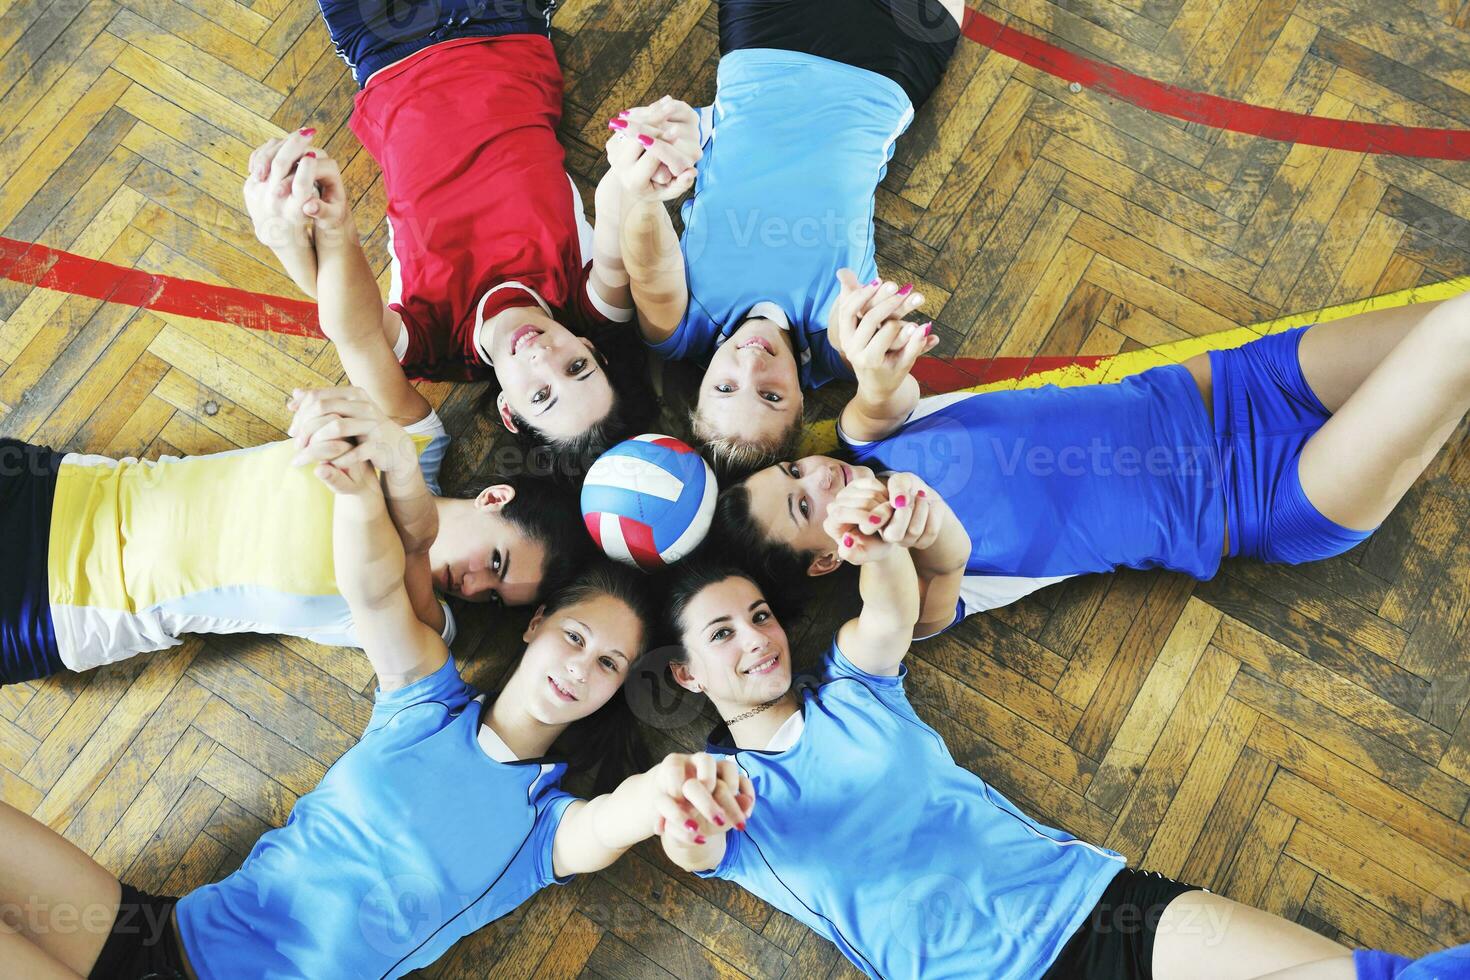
(756, 710)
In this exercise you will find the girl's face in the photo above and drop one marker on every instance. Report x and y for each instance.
(576, 659)
(549, 377)
(751, 392)
(789, 501)
(737, 652)
(489, 558)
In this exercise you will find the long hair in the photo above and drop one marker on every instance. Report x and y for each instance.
(609, 739)
(634, 409)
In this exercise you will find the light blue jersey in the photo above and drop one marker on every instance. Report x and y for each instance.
(784, 199)
(416, 837)
(867, 831)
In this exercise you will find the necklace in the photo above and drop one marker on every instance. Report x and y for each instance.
(755, 711)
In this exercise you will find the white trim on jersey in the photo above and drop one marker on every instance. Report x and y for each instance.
(479, 338)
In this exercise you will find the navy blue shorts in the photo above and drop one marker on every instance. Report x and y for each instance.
(27, 634)
(908, 41)
(373, 34)
(1264, 414)
(1117, 940)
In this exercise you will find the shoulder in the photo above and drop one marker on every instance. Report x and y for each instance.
(443, 688)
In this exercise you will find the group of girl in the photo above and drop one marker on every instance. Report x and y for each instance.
(831, 799)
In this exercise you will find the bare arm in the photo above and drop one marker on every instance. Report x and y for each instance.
(695, 788)
(877, 639)
(351, 310)
(609, 277)
(344, 426)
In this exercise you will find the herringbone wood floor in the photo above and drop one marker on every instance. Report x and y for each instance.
(1294, 738)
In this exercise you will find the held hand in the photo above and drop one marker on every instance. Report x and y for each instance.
(856, 518)
(672, 125)
(292, 191)
(699, 796)
(345, 427)
(636, 161)
(918, 515)
(865, 311)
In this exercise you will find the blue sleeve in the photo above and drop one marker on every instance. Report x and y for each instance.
(444, 686)
(729, 866)
(693, 339)
(549, 811)
(836, 666)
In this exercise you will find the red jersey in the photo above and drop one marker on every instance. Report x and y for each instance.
(465, 134)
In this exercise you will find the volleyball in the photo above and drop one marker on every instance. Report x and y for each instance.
(649, 501)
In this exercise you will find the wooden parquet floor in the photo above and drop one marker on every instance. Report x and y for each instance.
(1295, 738)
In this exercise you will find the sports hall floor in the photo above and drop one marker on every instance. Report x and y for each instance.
(1293, 738)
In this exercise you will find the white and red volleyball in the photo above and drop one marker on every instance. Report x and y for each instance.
(649, 501)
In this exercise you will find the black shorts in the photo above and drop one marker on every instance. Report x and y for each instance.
(27, 633)
(143, 944)
(373, 34)
(908, 41)
(1117, 940)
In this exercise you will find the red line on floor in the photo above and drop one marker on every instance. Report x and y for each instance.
(1212, 110)
(52, 268)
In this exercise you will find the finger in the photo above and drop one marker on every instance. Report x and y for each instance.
(855, 517)
(669, 815)
(729, 774)
(287, 154)
(303, 181)
(679, 184)
(729, 812)
(903, 513)
(697, 793)
(260, 160)
(747, 795)
(886, 334)
(676, 159)
(325, 451)
(920, 339)
(886, 306)
(706, 770)
(918, 521)
(848, 279)
(672, 773)
(338, 428)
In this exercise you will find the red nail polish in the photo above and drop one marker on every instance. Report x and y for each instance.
(645, 139)
(921, 495)
(698, 840)
(740, 825)
(900, 501)
(690, 825)
(874, 519)
(310, 153)
(907, 288)
(719, 820)
(306, 132)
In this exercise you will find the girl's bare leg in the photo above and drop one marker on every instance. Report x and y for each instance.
(1202, 936)
(53, 896)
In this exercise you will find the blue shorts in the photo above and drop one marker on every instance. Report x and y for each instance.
(27, 634)
(373, 34)
(1264, 414)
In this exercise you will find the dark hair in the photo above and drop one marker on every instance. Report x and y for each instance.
(547, 512)
(633, 411)
(735, 529)
(686, 580)
(609, 738)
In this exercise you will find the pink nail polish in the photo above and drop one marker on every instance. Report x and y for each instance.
(928, 328)
(310, 153)
(645, 139)
(907, 288)
(306, 132)
(921, 495)
(690, 826)
(874, 519)
(617, 124)
(876, 281)
(847, 541)
(624, 114)
(900, 501)
(698, 839)
(719, 820)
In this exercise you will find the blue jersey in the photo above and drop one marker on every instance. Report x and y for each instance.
(784, 199)
(1064, 481)
(416, 837)
(871, 834)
